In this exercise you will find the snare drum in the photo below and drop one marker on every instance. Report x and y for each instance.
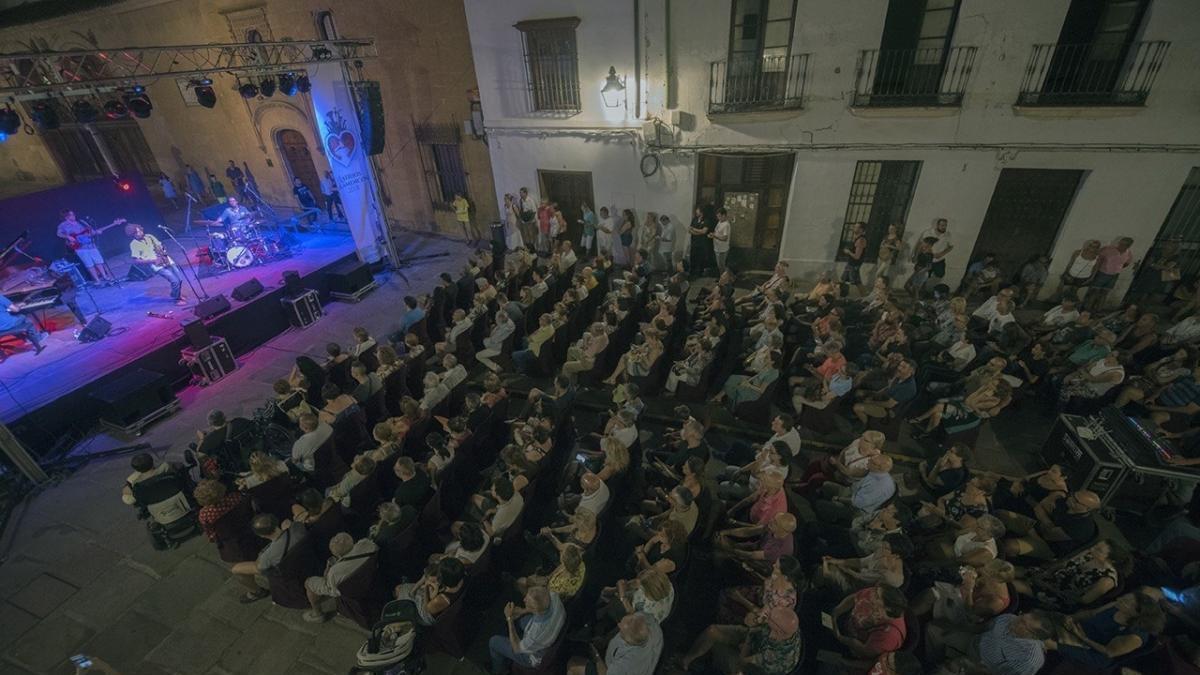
(218, 243)
(239, 256)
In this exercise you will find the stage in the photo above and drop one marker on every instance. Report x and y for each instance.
(43, 395)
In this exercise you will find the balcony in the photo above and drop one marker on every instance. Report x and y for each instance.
(769, 83)
(897, 78)
(1096, 74)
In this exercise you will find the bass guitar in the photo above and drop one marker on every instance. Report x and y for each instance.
(75, 241)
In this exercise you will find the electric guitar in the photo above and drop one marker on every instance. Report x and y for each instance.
(73, 240)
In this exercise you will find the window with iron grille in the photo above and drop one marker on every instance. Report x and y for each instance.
(441, 158)
(880, 195)
(551, 63)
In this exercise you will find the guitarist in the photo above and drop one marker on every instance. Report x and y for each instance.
(146, 249)
(81, 237)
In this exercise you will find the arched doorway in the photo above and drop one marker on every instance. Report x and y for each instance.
(298, 159)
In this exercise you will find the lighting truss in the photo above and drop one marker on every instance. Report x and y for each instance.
(38, 75)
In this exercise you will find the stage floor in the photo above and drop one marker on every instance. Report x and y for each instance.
(29, 381)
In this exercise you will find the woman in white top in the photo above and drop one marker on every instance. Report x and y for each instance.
(512, 223)
(1081, 267)
(1094, 379)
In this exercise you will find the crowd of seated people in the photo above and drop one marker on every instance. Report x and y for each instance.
(415, 476)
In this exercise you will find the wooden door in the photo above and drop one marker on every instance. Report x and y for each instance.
(570, 190)
(754, 189)
(298, 160)
(1025, 214)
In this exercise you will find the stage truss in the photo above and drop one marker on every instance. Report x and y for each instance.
(32, 76)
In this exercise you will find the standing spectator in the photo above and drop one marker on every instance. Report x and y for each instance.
(329, 191)
(545, 216)
(527, 209)
(606, 227)
(889, 253)
(168, 189)
(1081, 267)
(305, 196)
(1032, 277)
(194, 181)
(666, 244)
(855, 252)
(462, 213)
(217, 187)
(1111, 261)
(720, 238)
(588, 221)
(940, 247)
(236, 178)
(700, 247)
(623, 248)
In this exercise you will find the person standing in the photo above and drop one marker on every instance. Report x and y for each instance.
(147, 250)
(720, 237)
(217, 187)
(588, 221)
(606, 227)
(169, 192)
(81, 237)
(666, 244)
(889, 253)
(942, 245)
(236, 178)
(462, 214)
(527, 207)
(700, 247)
(194, 181)
(855, 252)
(1112, 260)
(512, 223)
(305, 196)
(329, 190)
(623, 249)
(545, 214)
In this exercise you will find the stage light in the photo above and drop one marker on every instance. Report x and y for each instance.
(84, 111)
(123, 184)
(205, 95)
(139, 104)
(10, 121)
(267, 87)
(303, 84)
(45, 116)
(248, 90)
(321, 54)
(115, 110)
(287, 84)
(137, 90)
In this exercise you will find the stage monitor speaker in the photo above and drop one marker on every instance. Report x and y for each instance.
(349, 278)
(131, 396)
(212, 306)
(370, 118)
(95, 329)
(138, 273)
(248, 290)
(196, 332)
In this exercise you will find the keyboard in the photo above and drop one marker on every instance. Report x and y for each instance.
(39, 299)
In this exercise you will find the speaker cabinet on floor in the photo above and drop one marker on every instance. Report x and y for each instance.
(211, 307)
(95, 329)
(248, 290)
(133, 399)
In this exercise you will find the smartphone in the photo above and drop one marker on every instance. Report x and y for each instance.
(81, 661)
(1172, 595)
(581, 458)
(827, 620)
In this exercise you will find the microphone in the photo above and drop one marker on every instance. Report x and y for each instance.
(189, 196)
(166, 229)
(159, 315)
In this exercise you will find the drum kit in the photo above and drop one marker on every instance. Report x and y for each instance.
(238, 245)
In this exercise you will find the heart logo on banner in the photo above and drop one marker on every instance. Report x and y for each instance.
(341, 147)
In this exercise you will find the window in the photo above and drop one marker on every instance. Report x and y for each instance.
(75, 150)
(880, 195)
(441, 158)
(761, 34)
(551, 64)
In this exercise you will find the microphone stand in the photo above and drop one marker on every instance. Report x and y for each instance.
(187, 212)
(203, 294)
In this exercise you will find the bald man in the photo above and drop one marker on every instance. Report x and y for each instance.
(863, 498)
(1063, 524)
(634, 650)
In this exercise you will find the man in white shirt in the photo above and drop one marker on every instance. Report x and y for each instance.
(942, 245)
(605, 228)
(455, 373)
(509, 504)
(784, 429)
(1185, 332)
(347, 556)
(720, 236)
(329, 191)
(666, 244)
(595, 493)
(1059, 315)
(493, 343)
(304, 450)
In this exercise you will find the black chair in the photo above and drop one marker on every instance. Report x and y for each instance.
(395, 387)
(328, 467)
(232, 534)
(274, 497)
(287, 579)
(369, 359)
(360, 597)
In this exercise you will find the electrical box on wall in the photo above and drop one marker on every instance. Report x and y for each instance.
(657, 134)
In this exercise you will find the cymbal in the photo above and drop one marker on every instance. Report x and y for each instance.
(208, 223)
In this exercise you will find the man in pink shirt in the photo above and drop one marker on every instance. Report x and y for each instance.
(1111, 261)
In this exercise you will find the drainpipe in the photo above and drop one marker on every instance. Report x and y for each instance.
(637, 57)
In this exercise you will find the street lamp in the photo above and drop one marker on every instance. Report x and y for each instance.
(613, 92)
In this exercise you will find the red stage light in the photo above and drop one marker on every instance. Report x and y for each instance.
(125, 185)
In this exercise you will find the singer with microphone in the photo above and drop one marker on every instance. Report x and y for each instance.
(147, 250)
(81, 237)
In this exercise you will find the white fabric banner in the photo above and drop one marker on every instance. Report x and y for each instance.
(337, 123)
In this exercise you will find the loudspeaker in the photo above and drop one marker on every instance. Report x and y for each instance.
(349, 278)
(248, 290)
(138, 273)
(132, 396)
(95, 329)
(212, 306)
(370, 116)
(196, 332)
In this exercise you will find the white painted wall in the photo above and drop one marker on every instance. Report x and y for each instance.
(1123, 193)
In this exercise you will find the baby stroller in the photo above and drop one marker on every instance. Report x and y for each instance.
(390, 649)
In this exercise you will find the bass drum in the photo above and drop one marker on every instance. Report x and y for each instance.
(239, 256)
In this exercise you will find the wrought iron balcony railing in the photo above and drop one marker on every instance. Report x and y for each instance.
(767, 83)
(1097, 73)
(912, 77)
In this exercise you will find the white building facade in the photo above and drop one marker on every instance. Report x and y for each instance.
(1031, 125)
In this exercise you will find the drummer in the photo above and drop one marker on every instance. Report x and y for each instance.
(236, 217)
